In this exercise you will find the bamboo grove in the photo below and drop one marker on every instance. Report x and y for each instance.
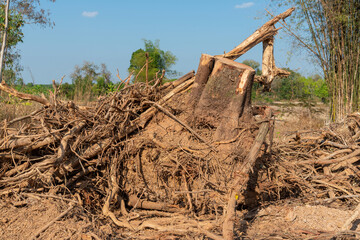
(329, 30)
(334, 37)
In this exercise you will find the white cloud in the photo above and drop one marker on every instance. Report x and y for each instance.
(245, 5)
(90, 14)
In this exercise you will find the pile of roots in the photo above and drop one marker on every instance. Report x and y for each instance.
(130, 150)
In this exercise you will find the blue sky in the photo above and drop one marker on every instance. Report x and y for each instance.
(109, 31)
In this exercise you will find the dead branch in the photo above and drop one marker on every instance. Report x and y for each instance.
(6, 88)
(180, 80)
(242, 177)
(24, 117)
(143, 204)
(53, 221)
(337, 160)
(263, 33)
(269, 70)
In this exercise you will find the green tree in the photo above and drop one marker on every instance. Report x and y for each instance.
(83, 78)
(88, 82)
(288, 88)
(14, 36)
(158, 60)
(21, 12)
(67, 91)
(105, 73)
(254, 64)
(102, 83)
(298, 87)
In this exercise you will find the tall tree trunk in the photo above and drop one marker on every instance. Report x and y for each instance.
(4, 38)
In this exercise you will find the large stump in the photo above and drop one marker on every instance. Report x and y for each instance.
(222, 96)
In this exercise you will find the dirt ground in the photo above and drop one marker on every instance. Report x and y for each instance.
(292, 220)
(26, 216)
(294, 116)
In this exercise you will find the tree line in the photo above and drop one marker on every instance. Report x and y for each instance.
(90, 81)
(294, 87)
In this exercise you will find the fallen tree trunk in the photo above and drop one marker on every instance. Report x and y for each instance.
(264, 34)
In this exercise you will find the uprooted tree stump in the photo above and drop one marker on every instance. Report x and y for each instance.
(143, 147)
(221, 98)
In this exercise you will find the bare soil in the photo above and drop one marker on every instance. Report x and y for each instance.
(294, 220)
(291, 220)
(294, 116)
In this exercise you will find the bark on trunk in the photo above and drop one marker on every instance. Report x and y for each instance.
(204, 70)
(226, 97)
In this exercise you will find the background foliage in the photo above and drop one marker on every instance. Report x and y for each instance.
(158, 60)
